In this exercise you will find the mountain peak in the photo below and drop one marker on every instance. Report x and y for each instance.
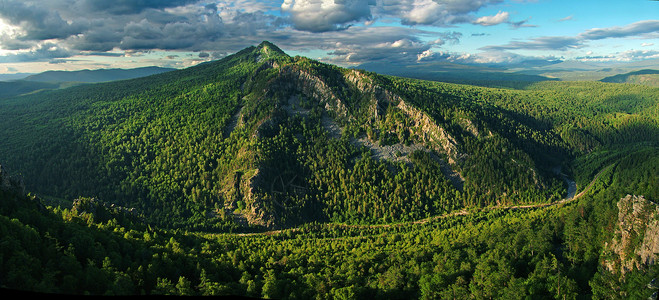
(269, 49)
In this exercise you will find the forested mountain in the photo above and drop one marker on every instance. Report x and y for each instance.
(274, 176)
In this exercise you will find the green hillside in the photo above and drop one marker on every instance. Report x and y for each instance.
(644, 77)
(266, 175)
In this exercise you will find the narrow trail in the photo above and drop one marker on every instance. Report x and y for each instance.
(569, 198)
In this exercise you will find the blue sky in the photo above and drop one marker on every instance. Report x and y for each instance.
(36, 36)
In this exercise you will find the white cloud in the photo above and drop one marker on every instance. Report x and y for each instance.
(624, 56)
(499, 18)
(425, 54)
(632, 55)
(431, 12)
(637, 29)
(423, 12)
(568, 18)
(541, 43)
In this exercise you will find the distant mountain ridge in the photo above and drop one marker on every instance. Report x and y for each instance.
(15, 76)
(483, 75)
(51, 80)
(93, 76)
(509, 74)
(645, 77)
(575, 70)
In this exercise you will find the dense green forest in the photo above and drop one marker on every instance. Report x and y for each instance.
(541, 253)
(266, 175)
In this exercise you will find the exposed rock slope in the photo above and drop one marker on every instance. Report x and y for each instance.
(635, 244)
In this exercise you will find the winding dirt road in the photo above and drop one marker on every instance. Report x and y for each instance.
(569, 197)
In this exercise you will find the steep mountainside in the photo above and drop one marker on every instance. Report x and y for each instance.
(263, 139)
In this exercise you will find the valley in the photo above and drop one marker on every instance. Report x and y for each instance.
(571, 195)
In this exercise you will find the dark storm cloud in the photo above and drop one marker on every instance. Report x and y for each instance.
(44, 52)
(131, 6)
(88, 25)
(101, 37)
(37, 23)
(221, 27)
(171, 36)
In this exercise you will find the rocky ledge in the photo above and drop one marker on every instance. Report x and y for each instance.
(635, 243)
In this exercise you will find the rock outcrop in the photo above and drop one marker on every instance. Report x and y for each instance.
(430, 133)
(433, 136)
(635, 243)
(296, 80)
(11, 184)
